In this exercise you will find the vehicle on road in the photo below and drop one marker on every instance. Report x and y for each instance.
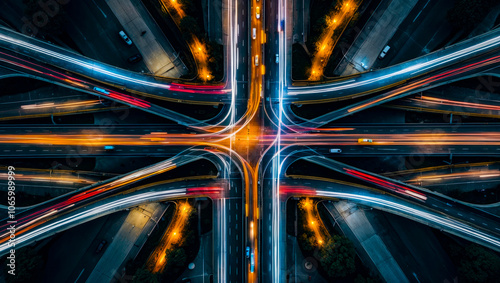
(101, 90)
(277, 59)
(256, 60)
(109, 148)
(254, 33)
(335, 150)
(247, 252)
(252, 263)
(384, 52)
(365, 140)
(135, 58)
(257, 12)
(124, 36)
(101, 246)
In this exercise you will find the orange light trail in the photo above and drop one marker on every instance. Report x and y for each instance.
(435, 100)
(62, 105)
(198, 48)
(172, 236)
(313, 221)
(458, 175)
(336, 20)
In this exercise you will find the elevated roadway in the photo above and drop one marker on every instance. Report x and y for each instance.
(73, 62)
(453, 57)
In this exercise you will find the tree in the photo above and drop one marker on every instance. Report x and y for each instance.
(216, 59)
(301, 62)
(308, 242)
(467, 14)
(176, 258)
(145, 276)
(337, 257)
(189, 26)
(188, 6)
(28, 266)
(479, 265)
(361, 279)
(52, 22)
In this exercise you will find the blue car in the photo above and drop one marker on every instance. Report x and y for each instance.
(248, 252)
(101, 90)
(252, 263)
(109, 148)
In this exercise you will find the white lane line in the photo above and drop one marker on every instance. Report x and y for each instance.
(421, 10)
(101, 12)
(79, 275)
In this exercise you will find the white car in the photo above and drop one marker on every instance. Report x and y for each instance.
(335, 150)
(256, 60)
(277, 58)
(384, 52)
(125, 37)
(257, 12)
(254, 33)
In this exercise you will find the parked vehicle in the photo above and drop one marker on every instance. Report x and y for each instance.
(384, 52)
(101, 246)
(134, 58)
(124, 36)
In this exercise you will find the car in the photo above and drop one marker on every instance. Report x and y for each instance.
(335, 150)
(101, 246)
(247, 252)
(134, 58)
(281, 25)
(256, 60)
(384, 52)
(252, 263)
(124, 36)
(101, 90)
(365, 140)
(254, 33)
(109, 148)
(277, 59)
(257, 12)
